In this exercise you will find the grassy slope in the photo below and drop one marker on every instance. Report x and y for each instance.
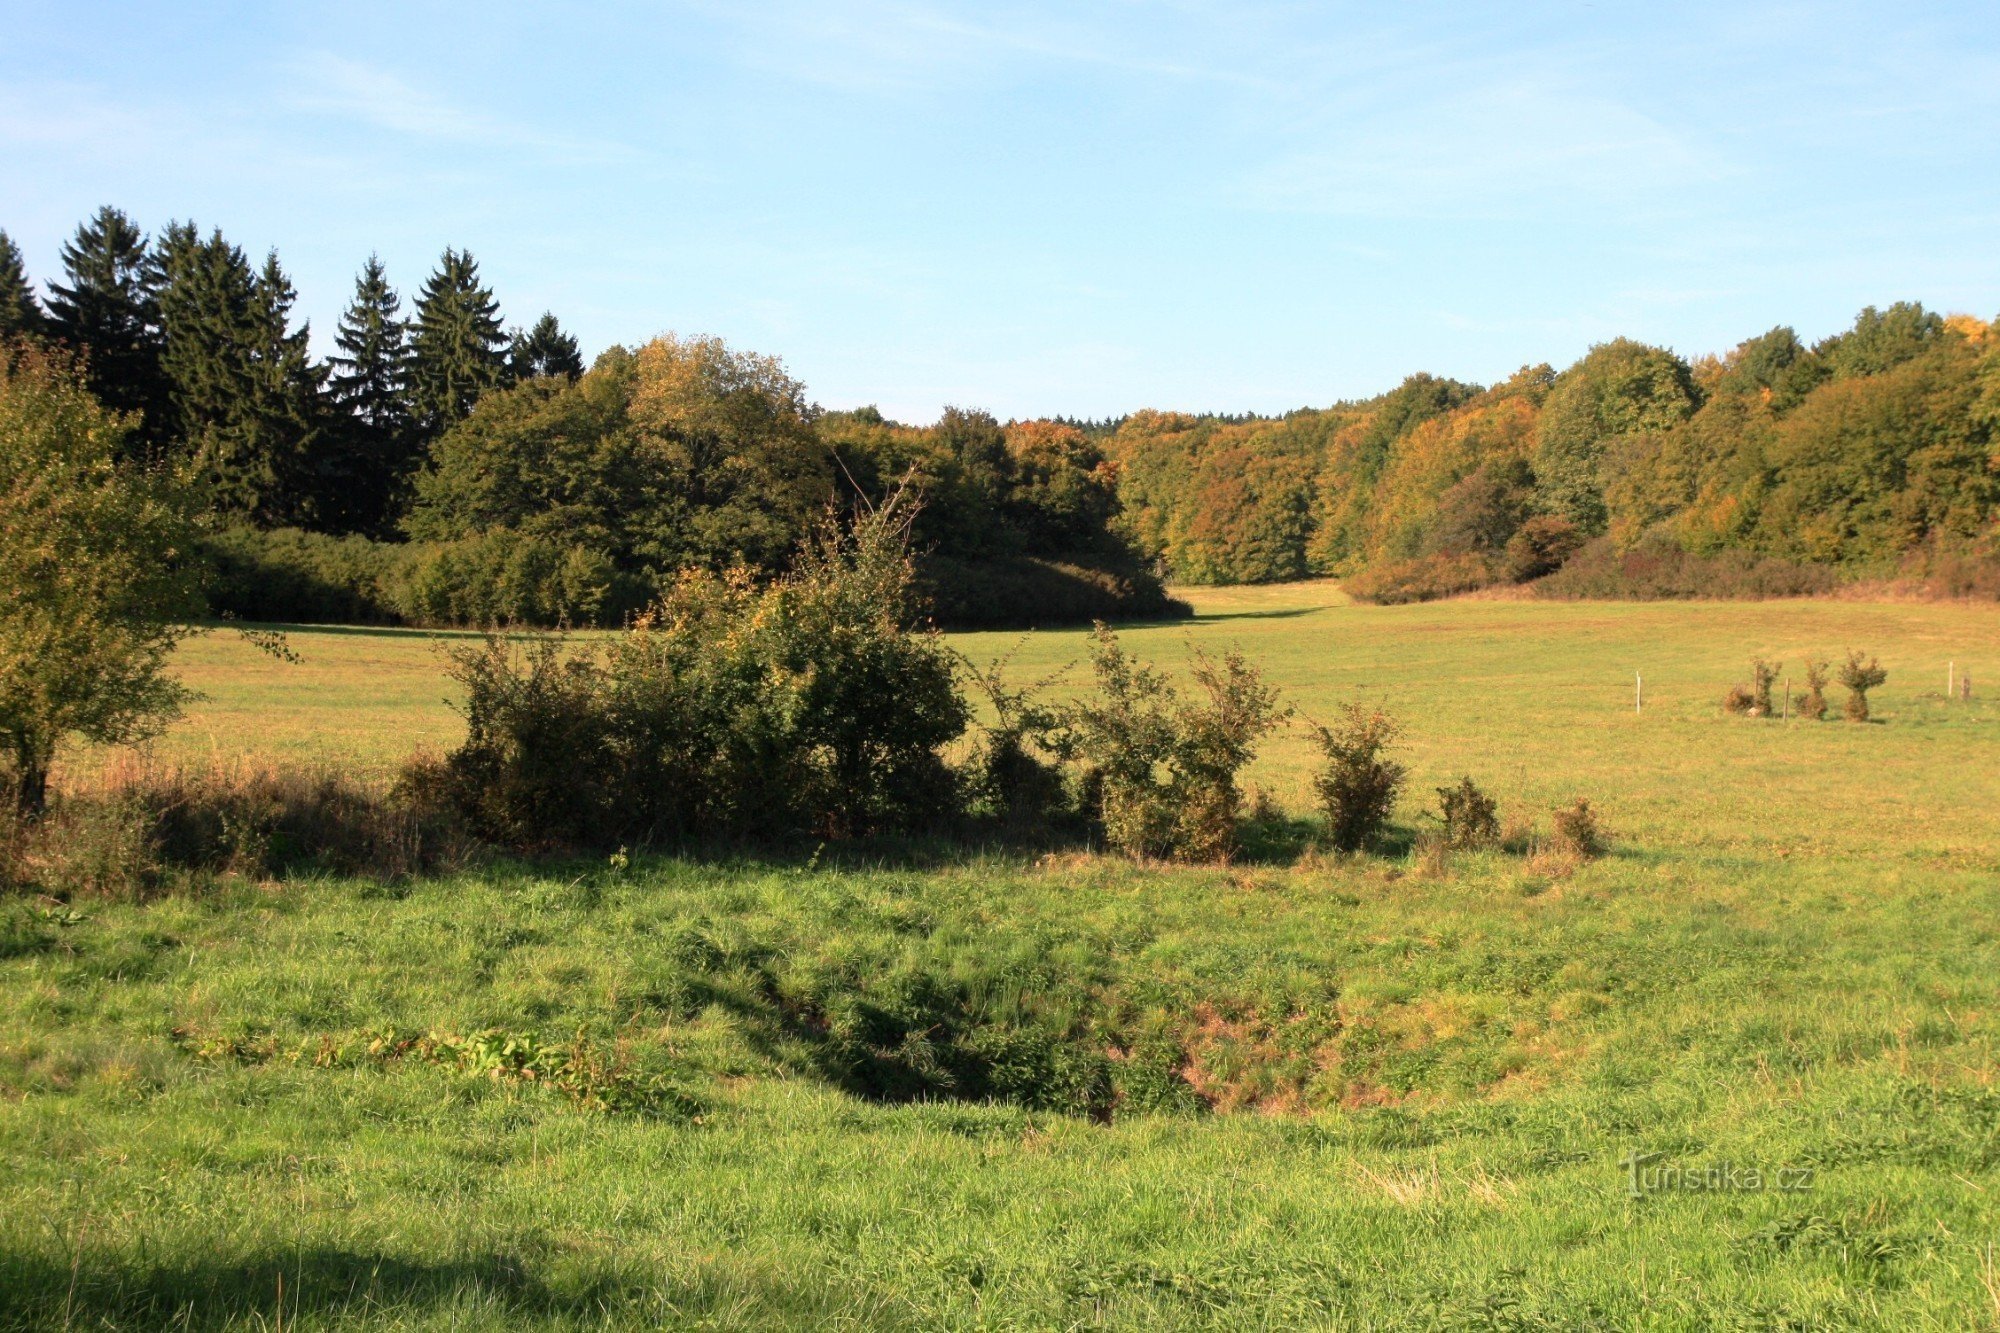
(1791, 961)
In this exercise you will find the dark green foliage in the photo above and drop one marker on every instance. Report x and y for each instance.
(548, 459)
(105, 310)
(287, 574)
(507, 577)
(1357, 786)
(1015, 591)
(1776, 367)
(370, 385)
(800, 708)
(1859, 675)
(458, 350)
(1160, 767)
(544, 350)
(534, 769)
(1471, 817)
(1621, 388)
(1881, 340)
(245, 392)
(20, 312)
(1874, 466)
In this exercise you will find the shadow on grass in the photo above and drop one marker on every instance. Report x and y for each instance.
(322, 1286)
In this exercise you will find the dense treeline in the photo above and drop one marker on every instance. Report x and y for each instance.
(1776, 469)
(441, 468)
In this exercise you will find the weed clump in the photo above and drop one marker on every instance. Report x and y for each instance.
(1356, 785)
(140, 827)
(1471, 817)
(1859, 675)
(1577, 836)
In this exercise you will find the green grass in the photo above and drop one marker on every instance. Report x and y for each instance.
(1426, 1082)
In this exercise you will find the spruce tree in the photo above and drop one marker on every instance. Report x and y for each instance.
(244, 391)
(371, 387)
(545, 350)
(291, 408)
(106, 311)
(458, 350)
(20, 312)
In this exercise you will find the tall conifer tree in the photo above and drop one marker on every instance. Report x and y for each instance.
(106, 311)
(459, 350)
(244, 390)
(290, 408)
(371, 386)
(20, 312)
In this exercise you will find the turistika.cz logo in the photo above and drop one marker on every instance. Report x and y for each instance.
(1646, 1173)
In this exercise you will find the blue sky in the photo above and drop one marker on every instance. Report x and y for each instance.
(1053, 208)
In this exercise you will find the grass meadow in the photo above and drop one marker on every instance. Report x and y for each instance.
(1738, 1074)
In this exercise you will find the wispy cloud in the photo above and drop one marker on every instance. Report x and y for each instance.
(1510, 148)
(891, 46)
(327, 84)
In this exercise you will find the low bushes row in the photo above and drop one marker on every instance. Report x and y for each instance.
(1858, 675)
(747, 712)
(499, 577)
(142, 828)
(505, 577)
(1659, 570)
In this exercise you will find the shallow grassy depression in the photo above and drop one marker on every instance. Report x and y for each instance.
(1739, 1074)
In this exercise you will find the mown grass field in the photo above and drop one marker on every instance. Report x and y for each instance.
(1418, 1089)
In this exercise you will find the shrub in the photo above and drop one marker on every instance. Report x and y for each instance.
(799, 707)
(1811, 701)
(1159, 768)
(1860, 675)
(1421, 580)
(1740, 701)
(1541, 546)
(1658, 569)
(533, 771)
(1762, 675)
(1014, 776)
(1577, 836)
(1471, 817)
(1357, 786)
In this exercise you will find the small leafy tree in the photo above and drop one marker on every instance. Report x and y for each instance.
(1860, 675)
(1357, 786)
(1811, 701)
(1160, 768)
(1762, 676)
(98, 578)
